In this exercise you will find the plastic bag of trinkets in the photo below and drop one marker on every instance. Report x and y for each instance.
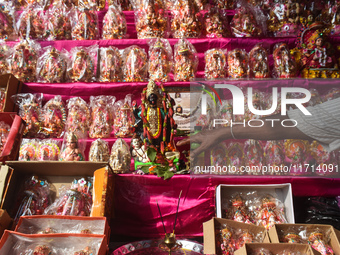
(85, 25)
(114, 23)
(8, 29)
(23, 60)
(31, 23)
(124, 121)
(274, 155)
(254, 156)
(99, 151)
(284, 63)
(120, 157)
(4, 131)
(92, 4)
(82, 64)
(5, 52)
(102, 116)
(160, 59)
(319, 240)
(238, 66)
(258, 62)
(28, 150)
(215, 64)
(126, 5)
(110, 65)
(52, 66)
(135, 64)
(186, 61)
(48, 150)
(216, 24)
(73, 147)
(79, 117)
(236, 207)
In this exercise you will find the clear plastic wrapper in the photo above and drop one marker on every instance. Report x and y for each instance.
(52, 66)
(59, 21)
(99, 151)
(85, 25)
(291, 235)
(151, 19)
(23, 61)
(258, 62)
(124, 120)
(216, 24)
(79, 117)
(297, 152)
(226, 111)
(160, 59)
(75, 200)
(215, 64)
(102, 116)
(135, 64)
(5, 52)
(31, 23)
(73, 147)
(225, 4)
(274, 154)
(53, 118)
(218, 159)
(29, 111)
(7, 21)
(114, 23)
(254, 156)
(186, 61)
(284, 64)
(262, 251)
(226, 243)
(4, 131)
(238, 66)
(186, 22)
(70, 3)
(82, 66)
(48, 150)
(237, 209)
(110, 64)
(92, 4)
(125, 4)
(264, 5)
(335, 20)
(120, 158)
(325, 161)
(320, 241)
(331, 94)
(28, 150)
(235, 156)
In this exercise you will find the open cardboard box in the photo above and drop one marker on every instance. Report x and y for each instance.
(11, 86)
(281, 191)
(61, 173)
(209, 232)
(276, 231)
(249, 248)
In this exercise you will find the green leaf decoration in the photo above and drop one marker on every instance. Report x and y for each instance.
(145, 169)
(168, 175)
(152, 153)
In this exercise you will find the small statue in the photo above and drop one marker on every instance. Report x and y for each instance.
(216, 24)
(297, 151)
(225, 4)
(120, 158)
(227, 245)
(258, 62)
(215, 64)
(7, 21)
(32, 23)
(244, 23)
(254, 153)
(317, 240)
(245, 237)
(86, 25)
(79, 117)
(186, 61)
(138, 150)
(323, 157)
(284, 64)
(86, 251)
(114, 23)
(135, 64)
(71, 151)
(291, 237)
(235, 156)
(238, 211)
(82, 67)
(124, 120)
(269, 213)
(28, 150)
(99, 151)
(110, 65)
(42, 250)
(238, 64)
(5, 52)
(274, 154)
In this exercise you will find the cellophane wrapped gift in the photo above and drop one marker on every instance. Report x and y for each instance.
(99, 151)
(85, 25)
(23, 60)
(216, 24)
(186, 22)
(29, 111)
(151, 19)
(225, 4)
(258, 62)
(114, 23)
(284, 64)
(135, 64)
(31, 23)
(298, 155)
(186, 61)
(102, 116)
(48, 150)
(238, 66)
(124, 120)
(4, 131)
(73, 147)
(94, 4)
(160, 59)
(79, 117)
(254, 157)
(125, 4)
(110, 64)
(53, 118)
(59, 21)
(120, 158)
(82, 64)
(236, 157)
(52, 66)
(215, 64)
(8, 29)
(5, 52)
(74, 200)
(28, 150)
(274, 155)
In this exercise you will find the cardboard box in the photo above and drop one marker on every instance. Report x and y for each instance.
(5, 221)
(209, 235)
(277, 229)
(10, 241)
(249, 248)
(12, 145)
(282, 191)
(57, 173)
(11, 86)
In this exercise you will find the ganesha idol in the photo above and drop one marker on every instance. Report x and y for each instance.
(317, 55)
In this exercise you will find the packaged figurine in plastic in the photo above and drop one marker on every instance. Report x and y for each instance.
(23, 61)
(48, 150)
(160, 59)
(5, 52)
(120, 158)
(52, 66)
(226, 112)
(258, 62)
(32, 23)
(237, 210)
(87, 251)
(238, 64)
(40, 250)
(284, 64)
(82, 67)
(325, 161)
(75, 200)
(151, 19)
(291, 235)
(124, 121)
(85, 25)
(297, 152)
(92, 4)
(186, 61)
(114, 23)
(102, 116)
(79, 117)
(110, 65)
(274, 154)
(227, 240)
(320, 241)
(28, 150)
(225, 4)
(135, 64)
(53, 118)
(73, 147)
(59, 25)
(219, 159)
(254, 155)
(29, 111)
(7, 21)
(215, 64)
(4, 131)
(245, 23)
(99, 151)
(126, 5)
(331, 94)
(186, 22)
(216, 24)
(235, 155)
